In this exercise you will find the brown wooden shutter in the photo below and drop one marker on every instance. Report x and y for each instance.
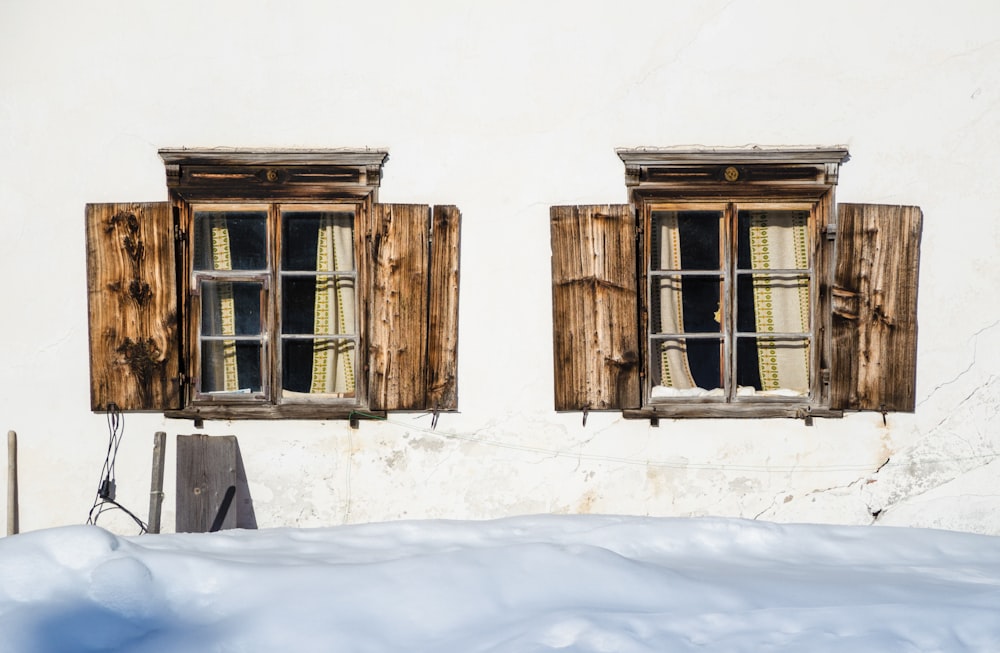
(875, 308)
(595, 308)
(413, 339)
(442, 330)
(132, 299)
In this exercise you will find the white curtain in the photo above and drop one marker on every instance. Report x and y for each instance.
(674, 369)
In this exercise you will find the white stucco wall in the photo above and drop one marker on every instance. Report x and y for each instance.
(505, 108)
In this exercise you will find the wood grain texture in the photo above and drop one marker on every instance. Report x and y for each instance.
(442, 311)
(206, 468)
(397, 346)
(132, 299)
(13, 502)
(238, 174)
(156, 483)
(875, 308)
(595, 308)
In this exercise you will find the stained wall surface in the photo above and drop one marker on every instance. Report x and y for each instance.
(505, 108)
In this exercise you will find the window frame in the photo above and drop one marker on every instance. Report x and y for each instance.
(772, 177)
(729, 271)
(271, 278)
(222, 177)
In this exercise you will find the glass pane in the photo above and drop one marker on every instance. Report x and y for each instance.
(685, 304)
(319, 366)
(230, 240)
(773, 240)
(231, 308)
(321, 305)
(782, 367)
(686, 240)
(687, 367)
(231, 366)
(773, 303)
(317, 241)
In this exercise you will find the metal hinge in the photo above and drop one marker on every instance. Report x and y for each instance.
(830, 231)
(179, 235)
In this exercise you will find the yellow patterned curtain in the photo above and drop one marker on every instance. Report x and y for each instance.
(222, 260)
(333, 358)
(781, 303)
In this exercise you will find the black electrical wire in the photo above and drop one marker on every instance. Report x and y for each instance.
(105, 499)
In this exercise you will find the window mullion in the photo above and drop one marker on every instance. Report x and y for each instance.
(729, 263)
(273, 321)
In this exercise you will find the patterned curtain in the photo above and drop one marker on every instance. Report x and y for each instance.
(675, 371)
(333, 358)
(781, 303)
(220, 297)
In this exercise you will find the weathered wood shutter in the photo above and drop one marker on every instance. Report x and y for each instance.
(442, 310)
(413, 322)
(595, 307)
(875, 308)
(132, 300)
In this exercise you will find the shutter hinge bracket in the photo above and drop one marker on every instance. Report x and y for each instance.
(830, 231)
(178, 233)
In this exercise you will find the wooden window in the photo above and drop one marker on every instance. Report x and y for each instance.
(273, 284)
(732, 285)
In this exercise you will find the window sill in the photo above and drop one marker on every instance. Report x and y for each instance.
(707, 410)
(283, 411)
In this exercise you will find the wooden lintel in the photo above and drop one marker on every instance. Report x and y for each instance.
(663, 156)
(274, 157)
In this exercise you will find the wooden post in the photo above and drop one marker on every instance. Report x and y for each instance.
(13, 525)
(156, 484)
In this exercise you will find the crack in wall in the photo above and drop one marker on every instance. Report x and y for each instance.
(931, 462)
(974, 338)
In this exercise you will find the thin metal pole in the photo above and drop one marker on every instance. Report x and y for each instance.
(13, 521)
(156, 485)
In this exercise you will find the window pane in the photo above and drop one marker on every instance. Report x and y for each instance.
(317, 241)
(686, 367)
(782, 366)
(686, 240)
(773, 303)
(321, 305)
(685, 304)
(312, 303)
(231, 366)
(773, 240)
(230, 240)
(319, 366)
(231, 308)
